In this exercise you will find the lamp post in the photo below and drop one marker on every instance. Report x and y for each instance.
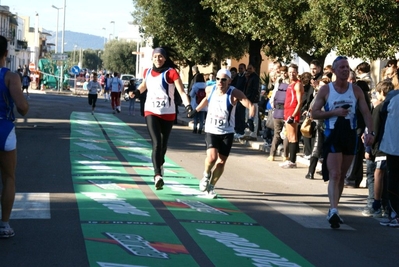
(113, 33)
(104, 35)
(98, 60)
(56, 33)
(62, 48)
(138, 44)
(109, 36)
(80, 64)
(74, 51)
(137, 53)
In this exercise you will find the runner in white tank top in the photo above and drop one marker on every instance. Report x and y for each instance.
(221, 100)
(160, 82)
(220, 118)
(340, 99)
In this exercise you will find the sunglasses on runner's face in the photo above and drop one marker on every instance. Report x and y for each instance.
(221, 79)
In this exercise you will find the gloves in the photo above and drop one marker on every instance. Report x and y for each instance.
(250, 125)
(190, 111)
(136, 93)
(189, 108)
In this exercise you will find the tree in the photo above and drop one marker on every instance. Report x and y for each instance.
(213, 29)
(357, 28)
(91, 59)
(312, 28)
(118, 56)
(189, 30)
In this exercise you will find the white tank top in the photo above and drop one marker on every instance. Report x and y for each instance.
(221, 113)
(160, 94)
(337, 100)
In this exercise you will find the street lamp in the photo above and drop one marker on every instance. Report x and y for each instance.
(104, 34)
(56, 33)
(109, 36)
(62, 48)
(113, 33)
(137, 53)
(98, 60)
(74, 50)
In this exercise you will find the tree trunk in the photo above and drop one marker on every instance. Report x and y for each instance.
(307, 58)
(255, 58)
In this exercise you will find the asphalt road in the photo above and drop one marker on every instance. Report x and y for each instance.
(46, 216)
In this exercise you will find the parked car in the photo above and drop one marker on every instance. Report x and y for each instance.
(126, 79)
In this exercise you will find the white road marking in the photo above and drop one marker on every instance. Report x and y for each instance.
(303, 214)
(31, 206)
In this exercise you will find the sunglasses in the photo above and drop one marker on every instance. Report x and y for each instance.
(221, 79)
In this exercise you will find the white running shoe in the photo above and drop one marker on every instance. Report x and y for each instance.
(6, 232)
(288, 165)
(158, 181)
(334, 219)
(211, 192)
(204, 183)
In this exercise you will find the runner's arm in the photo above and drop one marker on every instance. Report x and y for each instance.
(13, 83)
(180, 88)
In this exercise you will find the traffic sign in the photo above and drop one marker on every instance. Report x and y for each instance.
(59, 56)
(75, 70)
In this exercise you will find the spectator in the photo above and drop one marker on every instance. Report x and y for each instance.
(211, 79)
(292, 114)
(132, 98)
(355, 173)
(195, 71)
(317, 147)
(234, 76)
(252, 92)
(363, 74)
(375, 159)
(197, 94)
(277, 101)
(240, 109)
(389, 145)
(307, 81)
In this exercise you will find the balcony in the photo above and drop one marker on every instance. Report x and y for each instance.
(7, 33)
(21, 45)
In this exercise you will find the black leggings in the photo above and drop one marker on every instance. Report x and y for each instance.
(92, 100)
(159, 131)
(393, 182)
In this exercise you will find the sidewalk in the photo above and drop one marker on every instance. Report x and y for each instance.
(51, 91)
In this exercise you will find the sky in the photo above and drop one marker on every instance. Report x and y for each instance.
(84, 16)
